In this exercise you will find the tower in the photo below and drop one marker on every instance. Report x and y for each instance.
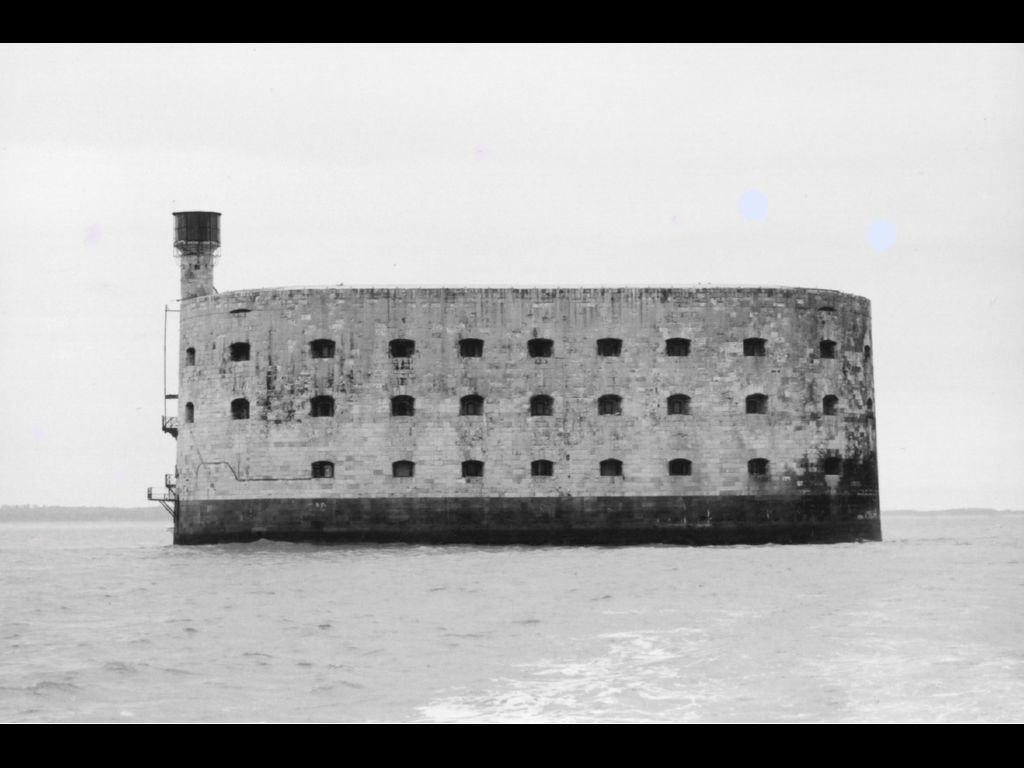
(196, 242)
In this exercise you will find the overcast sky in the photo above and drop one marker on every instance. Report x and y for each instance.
(894, 172)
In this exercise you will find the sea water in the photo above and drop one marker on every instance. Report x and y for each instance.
(107, 621)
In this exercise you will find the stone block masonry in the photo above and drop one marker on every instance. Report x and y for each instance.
(320, 374)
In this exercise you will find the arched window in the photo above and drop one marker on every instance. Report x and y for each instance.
(321, 405)
(757, 467)
(402, 347)
(472, 469)
(540, 347)
(833, 465)
(867, 351)
(754, 347)
(471, 405)
(403, 405)
(829, 405)
(609, 347)
(321, 348)
(240, 408)
(323, 469)
(827, 349)
(609, 405)
(611, 468)
(541, 405)
(403, 469)
(190, 413)
(679, 405)
(190, 356)
(680, 467)
(471, 347)
(757, 403)
(677, 347)
(542, 468)
(239, 351)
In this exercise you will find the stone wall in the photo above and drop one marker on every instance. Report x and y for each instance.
(269, 455)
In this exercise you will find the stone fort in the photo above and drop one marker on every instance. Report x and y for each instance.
(518, 415)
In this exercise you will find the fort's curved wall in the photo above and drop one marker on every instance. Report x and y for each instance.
(244, 478)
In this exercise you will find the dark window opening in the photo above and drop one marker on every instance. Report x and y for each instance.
(833, 465)
(240, 408)
(757, 467)
(609, 405)
(757, 403)
(826, 309)
(321, 348)
(609, 347)
(541, 405)
(611, 468)
(190, 356)
(403, 405)
(402, 347)
(540, 347)
(321, 405)
(677, 347)
(542, 468)
(680, 467)
(471, 347)
(190, 413)
(871, 404)
(679, 405)
(242, 311)
(322, 469)
(472, 469)
(471, 405)
(754, 347)
(829, 405)
(403, 469)
(239, 351)
(828, 349)
(867, 351)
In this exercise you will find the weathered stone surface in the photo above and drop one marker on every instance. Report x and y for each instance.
(244, 478)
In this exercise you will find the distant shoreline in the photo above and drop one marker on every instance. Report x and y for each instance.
(42, 513)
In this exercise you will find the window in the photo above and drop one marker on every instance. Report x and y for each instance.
(679, 405)
(609, 347)
(680, 467)
(871, 404)
(609, 405)
(240, 408)
(324, 469)
(403, 405)
(190, 356)
(757, 403)
(402, 347)
(321, 405)
(471, 348)
(471, 405)
(828, 349)
(540, 347)
(190, 413)
(403, 469)
(833, 465)
(611, 468)
(542, 468)
(541, 405)
(757, 467)
(321, 348)
(867, 351)
(472, 469)
(241, 311)
(677, 347)
(754, 347)
(829, 404)
(239, 351)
